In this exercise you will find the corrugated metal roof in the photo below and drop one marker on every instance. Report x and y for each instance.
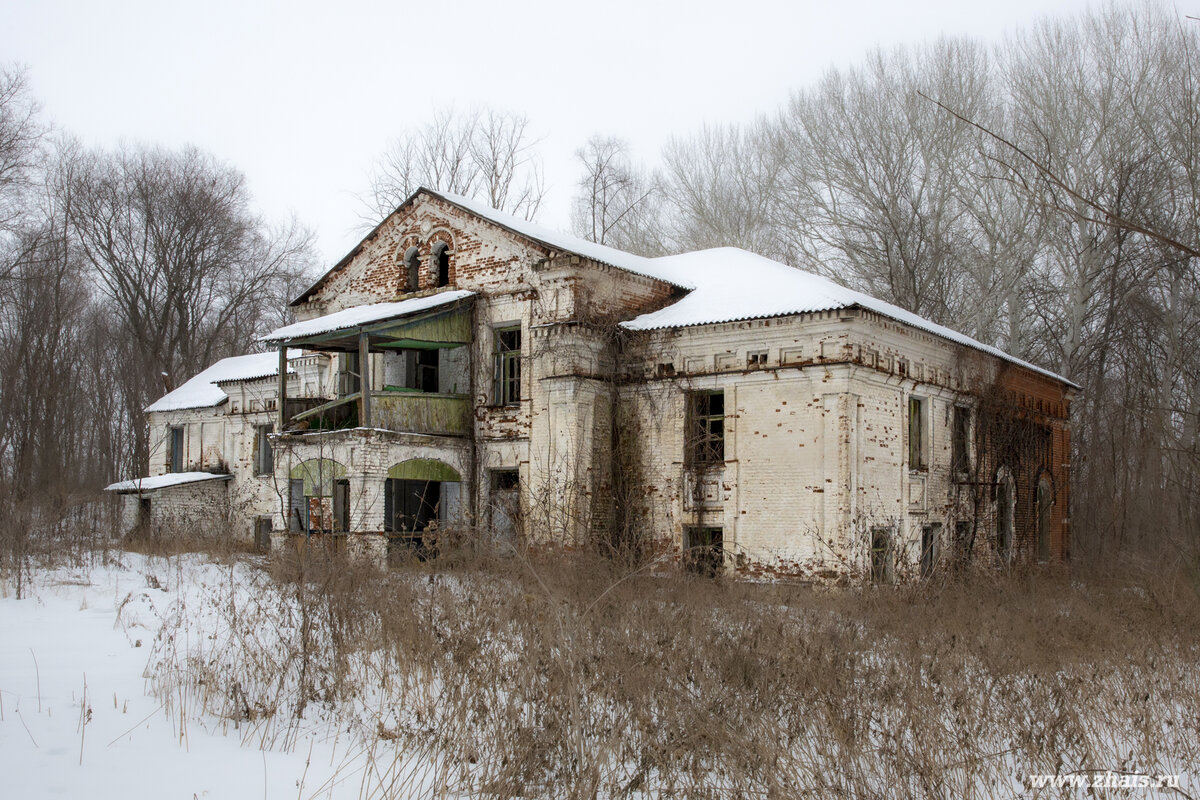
(202, 391)
(357, 316)
(733, 284)
(163, 481)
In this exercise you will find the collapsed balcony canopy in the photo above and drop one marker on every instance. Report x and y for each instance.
(439, 320)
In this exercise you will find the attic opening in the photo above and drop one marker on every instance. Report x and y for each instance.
(412, 269)
(441, 264)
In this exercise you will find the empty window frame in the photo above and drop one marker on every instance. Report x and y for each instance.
(349, 374)
(756, 359)
(963, 539)
(960, 441)
(508, 365)
(707, 428)
(1045, 501)
(421, 370)
(505, 506)
(881, 555)
(412, 270)
(704, 551)
(264, 454)
(410, 506)
(175, 450)
(1005, 522)
(931, 548)
(441, 264)
(917, 433)
(297, 506)
(262, 534)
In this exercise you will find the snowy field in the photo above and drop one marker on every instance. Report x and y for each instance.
(148, 677)
(77, 715)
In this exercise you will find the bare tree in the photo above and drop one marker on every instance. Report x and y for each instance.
(188, 269)
(720, 186)
(482, 154)
(617, 203)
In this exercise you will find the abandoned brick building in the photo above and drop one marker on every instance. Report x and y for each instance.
(464, 370)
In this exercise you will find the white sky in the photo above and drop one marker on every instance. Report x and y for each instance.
(302, 96)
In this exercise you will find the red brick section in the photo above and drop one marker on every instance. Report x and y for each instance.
(1043, 403)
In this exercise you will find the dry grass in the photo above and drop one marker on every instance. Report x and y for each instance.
(564, 677)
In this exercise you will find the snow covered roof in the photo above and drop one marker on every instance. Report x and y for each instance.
(639, 265)
(733, 284)
(163, 481)
(202, 391)
(358, 316)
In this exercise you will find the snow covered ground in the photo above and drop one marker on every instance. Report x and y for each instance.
(77, 718)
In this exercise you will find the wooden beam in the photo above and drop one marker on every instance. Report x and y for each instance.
(364, 371)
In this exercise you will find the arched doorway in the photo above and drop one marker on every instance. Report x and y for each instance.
(420, 494)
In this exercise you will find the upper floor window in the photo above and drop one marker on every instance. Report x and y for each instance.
(441, 264)
(707, 434)
(264, 456)
(917, 434)
(412, 269)
(508, 365)
(960, 441)
(175, 451)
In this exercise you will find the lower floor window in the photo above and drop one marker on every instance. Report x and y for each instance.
(410, 506)
(881, 555)
(931, 536)
(704, 550)
(319, 513)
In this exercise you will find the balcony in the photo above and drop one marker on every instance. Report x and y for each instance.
(402, 411)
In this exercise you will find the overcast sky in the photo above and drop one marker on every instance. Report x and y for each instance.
(302, 96)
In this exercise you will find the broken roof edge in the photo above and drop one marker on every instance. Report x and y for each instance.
(958, 339)
(531, 231)
(155, 482)
(359, 316)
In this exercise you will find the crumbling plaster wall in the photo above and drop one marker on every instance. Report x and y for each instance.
(565, 306)
(815, 439)
(367, 455)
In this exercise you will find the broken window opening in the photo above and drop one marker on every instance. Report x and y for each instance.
(349, 374)
(1045, 501)
(508, 366)
(707, 411)
(175, 451)
(421, 370)
(960, 442)
(441, 262)
(916, 434)
(143, 521)
(704, 551)
(881, 555)
(262, 534)
(264, 454)
(1005, 503)
(756, 360)
(505, 507)
(962, 540)
(931, 547)
(412, 268)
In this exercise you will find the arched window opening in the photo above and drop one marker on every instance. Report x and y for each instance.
(1005, 504)
(441, 263)
(412, 268)
(1045, 501)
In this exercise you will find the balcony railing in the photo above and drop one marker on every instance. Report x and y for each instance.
(407, 412)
